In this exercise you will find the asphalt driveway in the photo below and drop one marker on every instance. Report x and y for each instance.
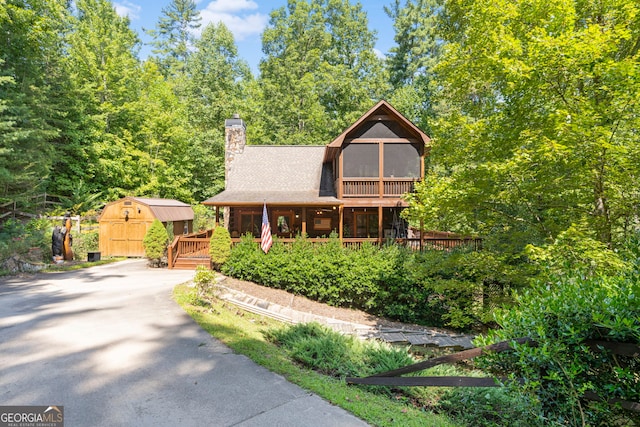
(110, 345)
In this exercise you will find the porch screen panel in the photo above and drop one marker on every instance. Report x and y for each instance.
(251, 223)
(361, 161)
(401, 161)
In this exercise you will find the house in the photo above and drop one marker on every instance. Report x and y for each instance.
(124, 223)
(352, 186)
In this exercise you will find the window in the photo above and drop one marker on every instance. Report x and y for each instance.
(401, 160)
(361, 161)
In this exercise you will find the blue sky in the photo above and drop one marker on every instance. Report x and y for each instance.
(246, 19)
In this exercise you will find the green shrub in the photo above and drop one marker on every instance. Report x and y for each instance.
(220, 247)
(560, 314)
(490, 407)
(84, 243)
(457, 289)
(329, 352)
(204, 280)
(19, 238)
(155, 242)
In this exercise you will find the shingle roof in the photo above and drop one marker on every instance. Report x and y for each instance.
(278, 174)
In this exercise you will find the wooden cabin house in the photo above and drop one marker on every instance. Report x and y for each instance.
(352, 186)
(124, 223)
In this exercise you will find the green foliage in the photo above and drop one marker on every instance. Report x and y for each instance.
(30, 78)
(458, 289)
(84, 243)
(490, 407)
(573, 251)
(535, 128)
(204, 279)
(19, 238)
(331, 353)
(320, 72)
(173, 35)
(220, 246)
(155, 242)
(203, 217)
(560, 314)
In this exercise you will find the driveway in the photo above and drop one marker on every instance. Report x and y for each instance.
(110, 345)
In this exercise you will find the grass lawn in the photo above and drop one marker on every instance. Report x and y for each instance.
(241, 331)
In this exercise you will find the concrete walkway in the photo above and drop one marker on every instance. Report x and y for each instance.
(110, 345)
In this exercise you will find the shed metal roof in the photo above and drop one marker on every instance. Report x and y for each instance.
(167, 209)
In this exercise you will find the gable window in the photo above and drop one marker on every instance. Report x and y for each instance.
(361, 161)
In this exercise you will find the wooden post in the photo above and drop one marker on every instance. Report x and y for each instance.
(380, 226)
(304, 220)
(341, 219)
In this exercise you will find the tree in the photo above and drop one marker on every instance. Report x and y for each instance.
(155, 242)
(106, 76)
(173, 36)
(538, 128)
(214, 90)
(411, 62)
(30, 75)
(320, 72)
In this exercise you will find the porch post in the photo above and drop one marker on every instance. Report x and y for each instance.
(380, 225)
(421, 234)
(304, 220)
(340, 221)
(217, 215)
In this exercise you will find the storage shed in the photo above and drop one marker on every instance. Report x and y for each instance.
(124, 223)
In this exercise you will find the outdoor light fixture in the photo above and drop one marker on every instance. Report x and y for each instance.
(126, 215)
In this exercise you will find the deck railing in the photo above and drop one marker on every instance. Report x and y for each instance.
(370, 187)
(360, 188)
(197, 245)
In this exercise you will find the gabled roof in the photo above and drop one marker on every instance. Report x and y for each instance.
(164, 209)
(278, 174)
(382, 108)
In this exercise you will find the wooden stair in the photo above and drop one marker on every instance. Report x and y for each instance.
(190, 263)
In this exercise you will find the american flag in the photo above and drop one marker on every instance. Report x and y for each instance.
(266, 240)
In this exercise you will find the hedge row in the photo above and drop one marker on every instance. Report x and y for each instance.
(456, 289)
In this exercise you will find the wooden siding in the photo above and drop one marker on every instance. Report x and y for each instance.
(123, 225)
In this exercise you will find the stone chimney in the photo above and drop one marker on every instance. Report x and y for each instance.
(235, 139)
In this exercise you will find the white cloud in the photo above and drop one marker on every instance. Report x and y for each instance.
(233, 14)
(129, 9)
(225, 6)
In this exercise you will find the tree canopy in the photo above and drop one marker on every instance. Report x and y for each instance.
(537, 123)
(532, 105)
